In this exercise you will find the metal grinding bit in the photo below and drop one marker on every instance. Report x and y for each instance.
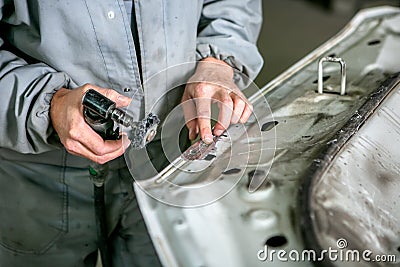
(101, 113)
(143, 131)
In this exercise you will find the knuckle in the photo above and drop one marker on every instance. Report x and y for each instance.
(240, 100)
(204, 129)
(202, 89)
(99, 150)
(227, 100)
(98, 159)
(70, 146)
(73, 134)
(111, 94)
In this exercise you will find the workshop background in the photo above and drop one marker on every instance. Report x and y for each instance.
(293, 28)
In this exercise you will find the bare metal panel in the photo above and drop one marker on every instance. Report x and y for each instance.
(196, 228)
(351, 190)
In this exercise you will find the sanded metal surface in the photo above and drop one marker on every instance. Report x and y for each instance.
(351, 190)
(227, 224)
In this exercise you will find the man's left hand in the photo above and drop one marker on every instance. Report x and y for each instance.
(213, 83)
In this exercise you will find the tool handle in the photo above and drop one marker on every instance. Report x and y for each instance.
(97, 110)
(98, 103)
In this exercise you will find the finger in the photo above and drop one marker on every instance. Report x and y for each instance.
(225, 104)
(92, 141)
(237, 92)
(189, 113)
(102, 147)
(203, 109)
(79, 149)
(193, 129)
(120, 100)
(238, 108)
(110, 155)
(248, 110)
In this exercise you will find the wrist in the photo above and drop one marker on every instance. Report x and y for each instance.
(222, 65)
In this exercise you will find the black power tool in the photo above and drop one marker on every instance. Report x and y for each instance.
(102, 114)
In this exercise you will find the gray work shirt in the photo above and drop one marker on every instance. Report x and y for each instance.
(128, 6)
(46, 45)
(130, 10)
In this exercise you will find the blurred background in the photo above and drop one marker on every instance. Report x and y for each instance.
(293, 28)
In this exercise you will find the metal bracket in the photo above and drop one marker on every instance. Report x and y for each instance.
(342, 70)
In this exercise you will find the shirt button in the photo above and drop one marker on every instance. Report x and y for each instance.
(111, 14)
(127, 89)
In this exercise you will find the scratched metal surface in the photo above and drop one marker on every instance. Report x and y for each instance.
(281, 147)
(356, 196)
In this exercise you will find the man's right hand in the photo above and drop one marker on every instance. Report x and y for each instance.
(66, 113)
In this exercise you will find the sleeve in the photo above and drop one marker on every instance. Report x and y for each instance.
(228, 30)
(25, 94)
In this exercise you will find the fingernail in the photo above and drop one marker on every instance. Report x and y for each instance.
(218, 132)
(208, 139)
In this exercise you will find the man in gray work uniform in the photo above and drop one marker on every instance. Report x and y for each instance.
(50, 51)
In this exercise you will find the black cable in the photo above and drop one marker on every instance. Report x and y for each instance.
(100, 114)
(101, 225)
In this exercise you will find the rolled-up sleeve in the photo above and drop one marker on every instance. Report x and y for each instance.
(228, 30)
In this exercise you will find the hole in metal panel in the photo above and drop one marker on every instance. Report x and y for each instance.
(307, 137)
(268, 126)
(256, 173)
(259, 176)
(209, 157)
(324, 79)
(276, 241)
(232, 171)
(374, 42)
